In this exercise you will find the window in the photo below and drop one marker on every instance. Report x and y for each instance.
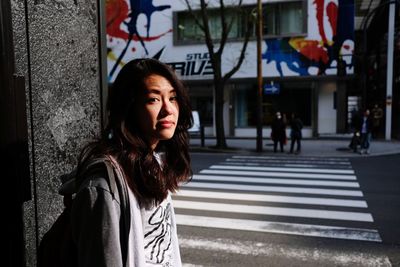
(189, 31)
(293, 97)
(280, 19)
(284, 19)
(204, 106)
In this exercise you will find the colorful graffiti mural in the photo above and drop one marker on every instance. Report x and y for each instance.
(127, 21)
(143, 28)
(320, 52)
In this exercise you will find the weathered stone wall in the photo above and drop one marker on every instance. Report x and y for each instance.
(56, 50)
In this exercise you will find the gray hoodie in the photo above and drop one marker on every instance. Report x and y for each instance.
(105, 232)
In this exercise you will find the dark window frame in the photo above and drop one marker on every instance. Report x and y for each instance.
(178, 42)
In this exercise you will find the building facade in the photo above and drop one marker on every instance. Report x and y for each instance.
(304, 42)
(372, 63)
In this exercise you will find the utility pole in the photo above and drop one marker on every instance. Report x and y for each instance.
(259, 78)
(389, 70)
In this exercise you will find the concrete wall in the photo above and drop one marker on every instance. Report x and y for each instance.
(56, 50)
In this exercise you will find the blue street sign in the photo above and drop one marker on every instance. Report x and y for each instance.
(272, 89)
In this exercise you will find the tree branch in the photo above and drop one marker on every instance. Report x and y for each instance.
(196, 19)
(229, 74)
(209, 40)
(226, 29)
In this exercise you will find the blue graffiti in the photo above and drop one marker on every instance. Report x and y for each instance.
(138, 7)
(147, 8)
(281, 52)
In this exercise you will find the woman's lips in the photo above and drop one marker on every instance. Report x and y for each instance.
(166, 124)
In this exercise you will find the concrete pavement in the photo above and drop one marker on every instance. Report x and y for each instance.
(330, 146)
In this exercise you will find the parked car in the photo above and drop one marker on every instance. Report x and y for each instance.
(195, 129)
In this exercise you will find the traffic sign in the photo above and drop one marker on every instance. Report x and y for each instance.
(272, 89)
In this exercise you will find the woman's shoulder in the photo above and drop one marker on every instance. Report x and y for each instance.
(96, 177)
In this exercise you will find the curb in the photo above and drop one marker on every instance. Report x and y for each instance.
(339, 152)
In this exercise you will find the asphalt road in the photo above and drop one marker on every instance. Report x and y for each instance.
(379, 182)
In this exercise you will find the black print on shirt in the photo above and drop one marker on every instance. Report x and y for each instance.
(160, 242)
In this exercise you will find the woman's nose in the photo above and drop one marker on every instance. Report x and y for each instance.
(167, 107)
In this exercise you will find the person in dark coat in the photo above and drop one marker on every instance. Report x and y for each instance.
(355, 125)
(295, 132)
(278, 132)
(365, 129)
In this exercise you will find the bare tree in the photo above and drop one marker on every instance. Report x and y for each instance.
(216, 45)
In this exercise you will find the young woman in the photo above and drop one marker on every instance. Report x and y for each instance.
(146, 143)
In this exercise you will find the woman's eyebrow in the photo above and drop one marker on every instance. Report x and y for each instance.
(157, 91)
(153, 91)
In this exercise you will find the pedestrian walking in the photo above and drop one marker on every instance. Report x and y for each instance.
(355, 140)
(365, 129)
(295, 133)
(278, 132)
(146, 142)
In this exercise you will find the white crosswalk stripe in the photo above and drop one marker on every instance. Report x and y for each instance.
(274, 198)
(280, 227)
(282, 174)
(263, 194)
(290, 212)
(273, 181)
(281, 189)
(282, 169)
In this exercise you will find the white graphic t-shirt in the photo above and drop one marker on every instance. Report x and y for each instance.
(157, 234)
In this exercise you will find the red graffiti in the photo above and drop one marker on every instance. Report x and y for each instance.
(311, 49)
(117, 12)
(332, 12)
(320, 18)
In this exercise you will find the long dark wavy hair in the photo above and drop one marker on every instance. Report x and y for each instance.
(122, 139)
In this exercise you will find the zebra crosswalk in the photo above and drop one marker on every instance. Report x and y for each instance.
(308, 196)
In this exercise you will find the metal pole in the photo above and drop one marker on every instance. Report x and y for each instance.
(259, 77)
(364, 69)
(389, 73)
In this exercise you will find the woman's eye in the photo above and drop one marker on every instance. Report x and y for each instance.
(152, 99)
(173, 98)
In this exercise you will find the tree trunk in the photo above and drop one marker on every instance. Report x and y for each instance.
(202, 21)
(219, 114)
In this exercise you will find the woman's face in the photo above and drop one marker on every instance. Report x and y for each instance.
(157, 110)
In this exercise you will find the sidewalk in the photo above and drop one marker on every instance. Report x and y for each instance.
(334, 146)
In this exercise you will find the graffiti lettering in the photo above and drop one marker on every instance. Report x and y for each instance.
(192, 68)
(197, 56)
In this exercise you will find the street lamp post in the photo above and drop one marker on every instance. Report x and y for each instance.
(259, 77)
(389, 73)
